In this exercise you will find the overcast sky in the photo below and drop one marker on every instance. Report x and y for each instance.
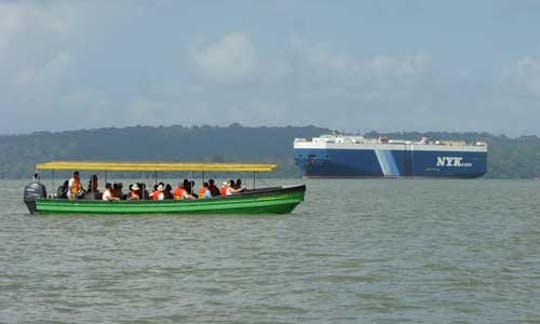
(347, 65)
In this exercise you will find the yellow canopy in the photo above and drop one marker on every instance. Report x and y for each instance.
(155, 166)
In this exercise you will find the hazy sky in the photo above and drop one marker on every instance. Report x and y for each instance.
(346, 65)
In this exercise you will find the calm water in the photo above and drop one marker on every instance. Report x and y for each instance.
(385, 251)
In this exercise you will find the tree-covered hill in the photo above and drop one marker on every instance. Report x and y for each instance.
(20, 153)
(507, 157)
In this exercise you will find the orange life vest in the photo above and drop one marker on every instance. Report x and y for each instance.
(202, 192)
(223, 190)
(179, 193)
(76, 186)
(154, 195)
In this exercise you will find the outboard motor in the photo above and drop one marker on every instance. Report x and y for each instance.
(33, 191)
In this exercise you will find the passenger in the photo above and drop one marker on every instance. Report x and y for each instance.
(190, 187)
(204, 192)
(184, 185)
(134, 193)
(74, 186)
(92, 191)
(238, 186)
(121, 194)
(93, 184)
(62, 190)
(167, 192)
(155, 193)
(233, 187)
(143, 192)
(117, 190)
(181, 193)
(214, 190)
(223, 188)
(108, 193)
(160, 195)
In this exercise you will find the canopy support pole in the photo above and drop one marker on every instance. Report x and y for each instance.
(254, 179)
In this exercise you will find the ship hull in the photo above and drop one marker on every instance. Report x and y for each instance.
(390, 163)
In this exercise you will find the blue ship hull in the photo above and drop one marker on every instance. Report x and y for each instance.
(390, 163)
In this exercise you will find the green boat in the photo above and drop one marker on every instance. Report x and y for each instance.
(270, 200)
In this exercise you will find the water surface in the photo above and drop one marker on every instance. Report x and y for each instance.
(386, 251)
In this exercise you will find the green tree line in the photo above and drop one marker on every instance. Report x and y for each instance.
(507, 157)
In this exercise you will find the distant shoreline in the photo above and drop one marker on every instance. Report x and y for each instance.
(508, 158)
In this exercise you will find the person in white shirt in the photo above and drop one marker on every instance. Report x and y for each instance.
(160, 195)
(107, 194)
(233, 188)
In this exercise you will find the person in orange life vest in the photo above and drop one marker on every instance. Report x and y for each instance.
(134, 192)
(204, 192)
(223, 188)
(161, 194)
(158, 194)
(154, 193)
(74, 186)
(108, 193)
(180, 192)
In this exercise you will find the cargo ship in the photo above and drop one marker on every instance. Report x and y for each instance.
(354, 156)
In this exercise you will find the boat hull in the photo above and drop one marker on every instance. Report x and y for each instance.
(277, 200)
(377, 163)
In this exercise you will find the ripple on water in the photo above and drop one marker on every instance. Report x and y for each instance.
(380, 251)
